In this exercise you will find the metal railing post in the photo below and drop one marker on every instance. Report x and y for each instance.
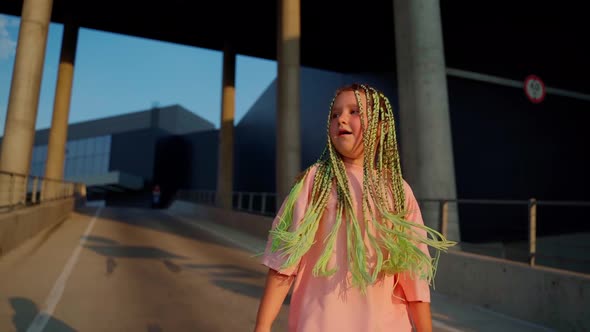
(25, 189)
(10, 190)
(45, 190)
(444, 216)
(263, 203)
(250, 201)
(34, 191)
(532, 231)
(42, 193)
(239, 200)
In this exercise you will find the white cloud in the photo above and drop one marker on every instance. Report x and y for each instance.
(7, 44)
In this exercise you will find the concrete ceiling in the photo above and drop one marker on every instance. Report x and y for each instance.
(504, 38)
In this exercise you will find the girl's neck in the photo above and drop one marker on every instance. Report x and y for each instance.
(355, 163)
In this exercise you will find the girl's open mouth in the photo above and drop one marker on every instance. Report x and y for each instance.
(344, 132)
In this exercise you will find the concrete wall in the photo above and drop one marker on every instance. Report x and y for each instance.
(504, 147)
(174, 119)
(186, 161)
(111, 125)
(178, 120)
(252, 224)
(134, 152)
(18, 226)
(198, 162)
(555, 298)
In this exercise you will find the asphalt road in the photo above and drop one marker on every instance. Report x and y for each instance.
(129, 270)
(118, 269)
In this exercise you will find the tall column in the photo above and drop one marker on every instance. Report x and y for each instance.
(58, 134)
(19, 129)
(288, 146)
(225, 169)
(426, 142)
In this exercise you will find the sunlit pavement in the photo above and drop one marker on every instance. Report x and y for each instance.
(115, 269)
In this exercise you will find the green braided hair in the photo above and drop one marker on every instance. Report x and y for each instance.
(396, 239)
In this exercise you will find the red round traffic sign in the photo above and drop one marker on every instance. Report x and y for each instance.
(534, 88)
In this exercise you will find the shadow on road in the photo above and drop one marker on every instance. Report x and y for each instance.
(230, 277)
(25, 312)
(121, 251)
(111, 249)
(237, 279)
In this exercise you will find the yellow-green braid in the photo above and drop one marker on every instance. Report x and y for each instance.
(383, 188)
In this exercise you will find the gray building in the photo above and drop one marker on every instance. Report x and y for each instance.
(121, 158)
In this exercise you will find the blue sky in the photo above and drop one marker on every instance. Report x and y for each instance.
(116, 74)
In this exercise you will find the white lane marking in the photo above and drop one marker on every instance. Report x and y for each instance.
(38, 324)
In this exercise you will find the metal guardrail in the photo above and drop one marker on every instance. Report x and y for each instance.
(252, 202)
(265, 204)
(19, 190)
(531, 204)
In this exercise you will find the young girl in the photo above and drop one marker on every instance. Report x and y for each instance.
(350, 233)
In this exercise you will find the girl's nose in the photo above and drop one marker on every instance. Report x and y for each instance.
(343, 118)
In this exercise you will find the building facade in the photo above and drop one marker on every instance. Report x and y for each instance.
(121, 158)
(504, 146)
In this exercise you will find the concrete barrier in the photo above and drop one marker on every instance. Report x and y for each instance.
(20, 225)
(556, 298)
(255, 225)
(553, 297)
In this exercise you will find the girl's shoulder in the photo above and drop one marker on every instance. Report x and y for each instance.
(409, 193)
(313, 169)
(307, 175)
(407, 186)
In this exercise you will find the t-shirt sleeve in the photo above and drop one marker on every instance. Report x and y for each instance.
(415, 289)
(275, 260)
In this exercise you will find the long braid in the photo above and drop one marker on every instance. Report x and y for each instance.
(383, 202)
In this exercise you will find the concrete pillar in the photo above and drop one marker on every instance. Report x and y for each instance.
(225, 169)
(54, 168)
(288, 164)
(19, 129)
(426, 142)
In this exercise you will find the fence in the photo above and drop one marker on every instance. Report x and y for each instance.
(532, 205)
(18, 190)
(265, 204)
(251, 202)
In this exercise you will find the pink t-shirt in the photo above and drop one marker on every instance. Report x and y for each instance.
(331, 303)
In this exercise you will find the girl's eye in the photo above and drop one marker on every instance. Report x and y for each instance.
(354, 112)
(335, 115)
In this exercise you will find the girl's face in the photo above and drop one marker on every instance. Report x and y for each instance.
(345, 127)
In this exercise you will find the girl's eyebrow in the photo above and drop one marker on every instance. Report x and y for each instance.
(351, 105)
